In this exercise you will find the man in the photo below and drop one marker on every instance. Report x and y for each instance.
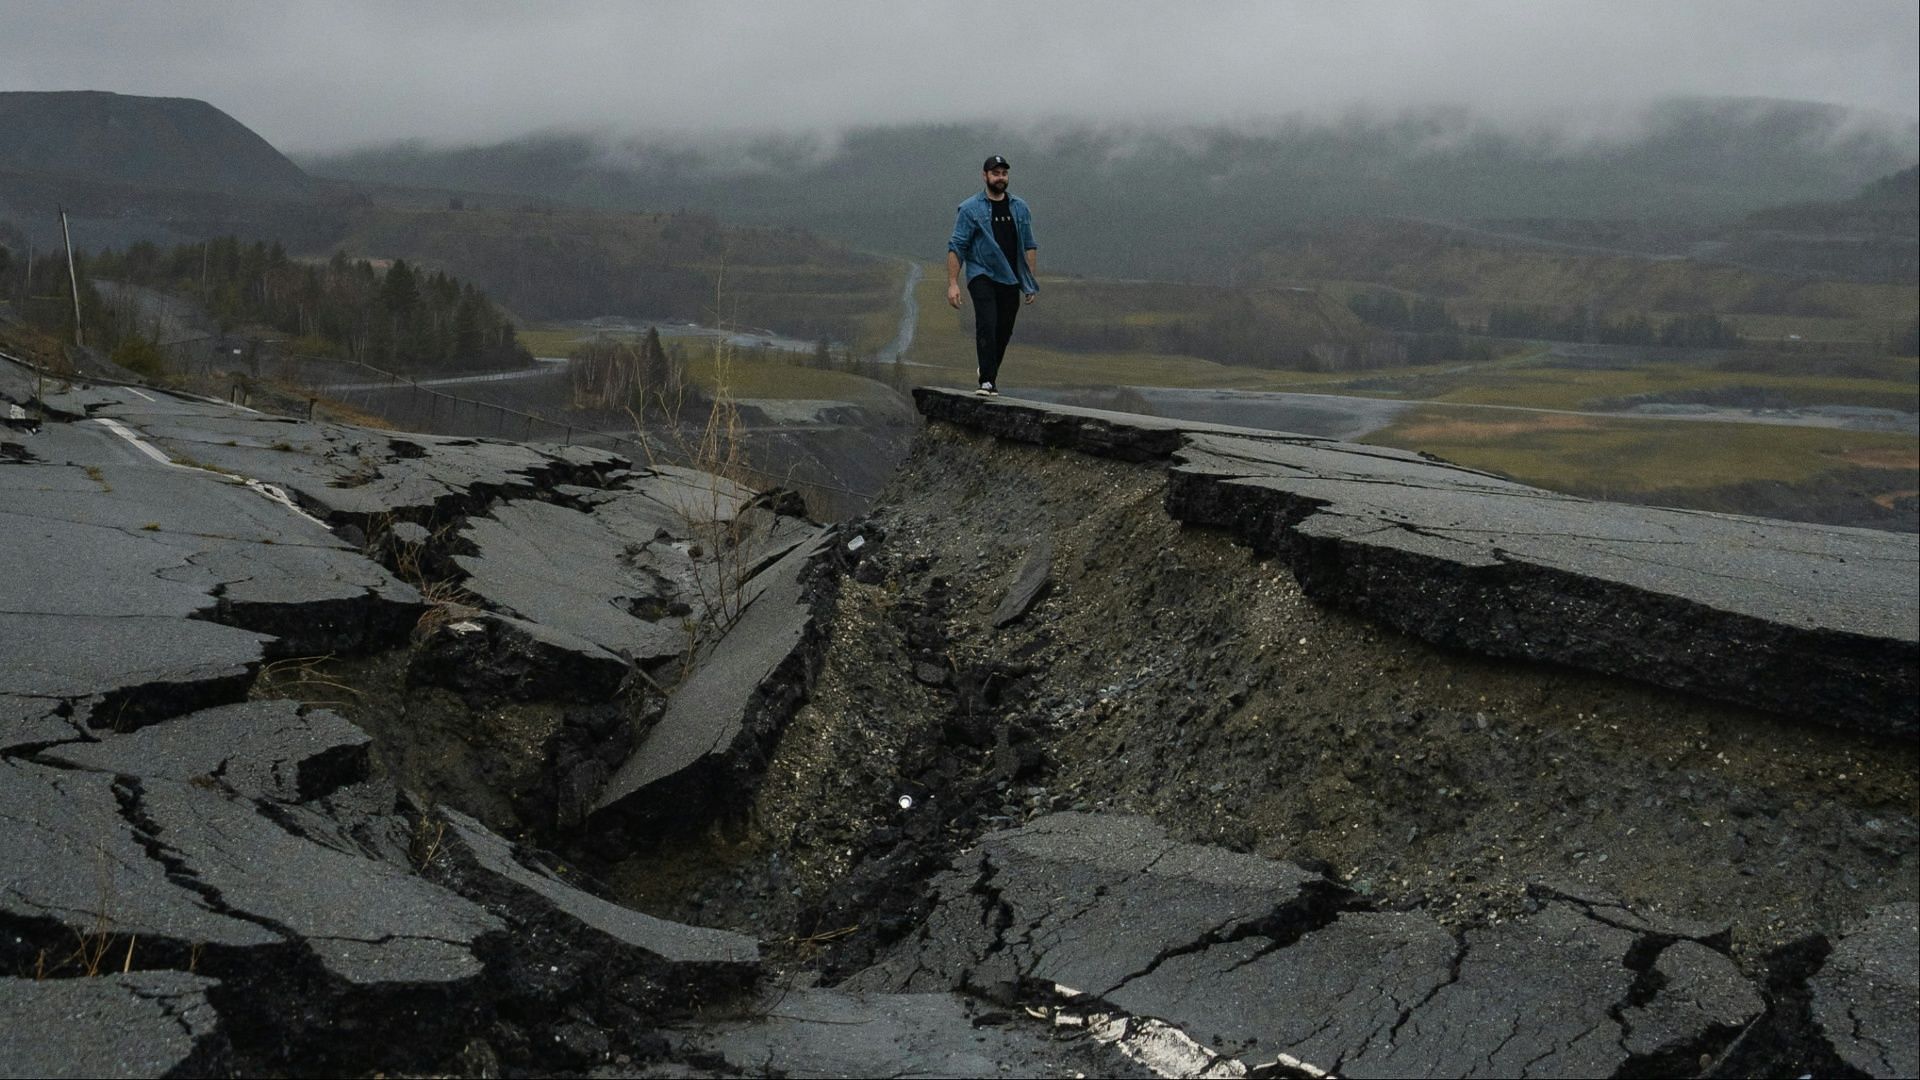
(993, 242)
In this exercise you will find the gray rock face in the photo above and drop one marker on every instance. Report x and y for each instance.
(1267, 963)
(1867, 995)
(144, 1023)
(1816, 622)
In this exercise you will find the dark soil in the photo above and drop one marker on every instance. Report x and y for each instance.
(1169, 673)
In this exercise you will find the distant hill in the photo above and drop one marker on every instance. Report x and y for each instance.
(1873, 236)
(1889, 205)
(166, 170)
(1474, 270)
(1182, 202)
(147, 141)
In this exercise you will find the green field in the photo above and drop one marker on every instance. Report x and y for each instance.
(1543, 387)
(943, 341)
(1619, 457)
(1601, 456)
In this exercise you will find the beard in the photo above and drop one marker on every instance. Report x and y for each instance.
(998, 187)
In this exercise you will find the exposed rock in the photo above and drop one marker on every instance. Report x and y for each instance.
(145, 1023)
(1867, 994)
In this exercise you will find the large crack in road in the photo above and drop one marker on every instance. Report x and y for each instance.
(618, 769)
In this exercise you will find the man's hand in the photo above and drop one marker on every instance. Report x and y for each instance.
(953, 295)
(1031, 297)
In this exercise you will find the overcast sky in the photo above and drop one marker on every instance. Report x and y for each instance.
(332, 74)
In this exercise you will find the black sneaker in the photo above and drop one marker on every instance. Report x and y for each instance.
(985, 389)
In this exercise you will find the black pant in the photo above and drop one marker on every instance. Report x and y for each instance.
(994, 308)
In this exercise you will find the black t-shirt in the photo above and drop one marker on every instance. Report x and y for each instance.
(1004, 231)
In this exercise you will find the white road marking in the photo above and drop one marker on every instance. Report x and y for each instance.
(131, 390)
(267, 490)
(278, 495)
(142, 445)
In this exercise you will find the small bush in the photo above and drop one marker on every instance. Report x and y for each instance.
(141, 356)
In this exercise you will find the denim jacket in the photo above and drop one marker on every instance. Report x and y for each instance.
(980, 253)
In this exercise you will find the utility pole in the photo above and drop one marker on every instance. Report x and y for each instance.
(73, 278)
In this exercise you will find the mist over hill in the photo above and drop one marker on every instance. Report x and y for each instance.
(1182, 201)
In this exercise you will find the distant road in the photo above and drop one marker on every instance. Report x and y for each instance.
(554, 367)
(909, 317)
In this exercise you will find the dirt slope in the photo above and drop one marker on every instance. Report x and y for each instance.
(1167, 672)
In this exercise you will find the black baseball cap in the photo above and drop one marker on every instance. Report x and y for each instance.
(995, 162)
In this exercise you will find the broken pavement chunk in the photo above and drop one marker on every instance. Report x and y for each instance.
(1699, 990)
(1810, 621)
(491, 656)
(490, 868)
(717, 719)
(563, 569)
(1336, 990)
(1867, 993)
(1265, 962)
(1028, 585)
(817, 1032)
(143, 1023)
(1084, 901)
(128, 670)
(279, 750)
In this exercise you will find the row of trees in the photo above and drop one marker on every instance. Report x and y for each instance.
(1699, 331)
(647, 378)
(642, 377)
(398, 315)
